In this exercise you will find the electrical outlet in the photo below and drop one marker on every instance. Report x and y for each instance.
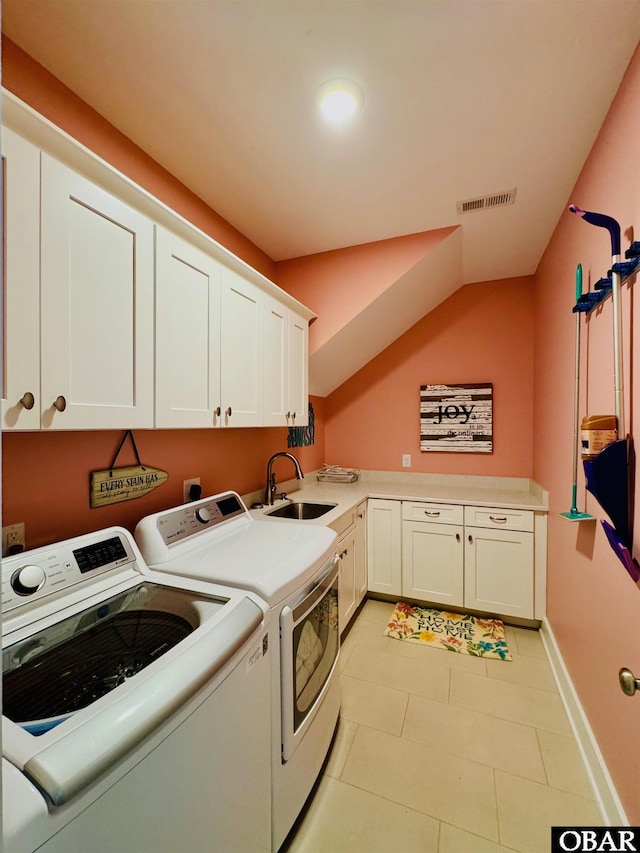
(406, 460)
(186, 489)
(13, 539)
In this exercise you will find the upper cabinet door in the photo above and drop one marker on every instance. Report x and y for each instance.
(276, 373)
(285, 366)
(241, 347)
(298, 371)
(96, 306)
(187, 335)
(21, 317)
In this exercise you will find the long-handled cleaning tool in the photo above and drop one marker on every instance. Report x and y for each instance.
(574, 514)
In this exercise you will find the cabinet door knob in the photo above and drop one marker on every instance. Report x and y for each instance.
(293, 417)
(470, 538)
(228, 412)
(60, 403)
(457, 537)
(28, 400)
(628, 682)
(217, 411)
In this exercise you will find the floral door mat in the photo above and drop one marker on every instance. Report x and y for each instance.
(456, 632)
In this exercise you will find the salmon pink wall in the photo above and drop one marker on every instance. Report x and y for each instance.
(482, 333)
(34, 85)
(337, 285)
(593, 606)
(45, 477)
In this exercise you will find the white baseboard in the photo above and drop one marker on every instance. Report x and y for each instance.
(601, 782)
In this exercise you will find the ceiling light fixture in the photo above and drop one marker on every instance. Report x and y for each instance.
(339, 100)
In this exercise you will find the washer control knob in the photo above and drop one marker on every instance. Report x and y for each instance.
(28, 579)
(203, 515)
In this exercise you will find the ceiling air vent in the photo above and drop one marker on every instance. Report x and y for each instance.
(484, 202)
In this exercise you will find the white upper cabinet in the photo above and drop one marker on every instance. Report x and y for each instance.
(120, 314)
(241, 342)
(298, 382)
(21, 317)
(96, 256)
(286, 336)
(187, 334)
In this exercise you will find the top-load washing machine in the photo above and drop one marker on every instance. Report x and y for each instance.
(294, 569)
(129, 706)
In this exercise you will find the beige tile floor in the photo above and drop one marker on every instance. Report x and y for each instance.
(438, 752)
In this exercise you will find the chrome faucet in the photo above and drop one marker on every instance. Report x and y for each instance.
(271, 478)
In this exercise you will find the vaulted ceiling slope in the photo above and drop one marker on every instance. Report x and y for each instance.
(365, 297)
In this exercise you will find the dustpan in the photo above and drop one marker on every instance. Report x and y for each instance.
(608, 476)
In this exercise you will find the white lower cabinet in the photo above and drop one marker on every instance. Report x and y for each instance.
(431, 552)
(384, 546)
(433, 562)
(352, 579)
(498, 571)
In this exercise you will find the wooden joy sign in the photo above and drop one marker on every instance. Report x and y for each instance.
(114, 485)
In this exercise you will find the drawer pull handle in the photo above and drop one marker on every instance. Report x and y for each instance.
(432, 514)
(28, 400)
(498, 520)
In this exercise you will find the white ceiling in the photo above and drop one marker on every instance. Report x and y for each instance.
(462, 98)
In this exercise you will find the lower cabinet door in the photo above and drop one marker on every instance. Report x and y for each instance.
(498, 571)
(384, 548)
(432, 562)
(347, 600)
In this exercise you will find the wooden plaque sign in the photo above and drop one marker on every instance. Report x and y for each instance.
(114, 485)
(457, 418)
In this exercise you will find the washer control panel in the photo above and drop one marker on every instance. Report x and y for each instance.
(177, 524)
(36, 574)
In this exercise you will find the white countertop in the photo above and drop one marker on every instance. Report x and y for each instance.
(500, 492)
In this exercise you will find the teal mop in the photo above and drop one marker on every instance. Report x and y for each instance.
(574, 514)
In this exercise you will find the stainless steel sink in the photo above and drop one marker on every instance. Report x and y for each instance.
(301, 510)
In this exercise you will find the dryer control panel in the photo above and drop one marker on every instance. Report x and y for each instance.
(177, 524)
(36, 574)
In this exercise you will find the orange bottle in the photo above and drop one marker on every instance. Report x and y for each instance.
(597, 431)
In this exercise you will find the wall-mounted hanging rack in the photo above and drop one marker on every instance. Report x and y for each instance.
(603, 287)
(610, 475)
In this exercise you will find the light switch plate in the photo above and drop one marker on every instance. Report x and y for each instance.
(406, 460)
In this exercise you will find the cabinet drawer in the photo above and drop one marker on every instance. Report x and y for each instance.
(435, 513)
(345, 522)
(505, 519)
